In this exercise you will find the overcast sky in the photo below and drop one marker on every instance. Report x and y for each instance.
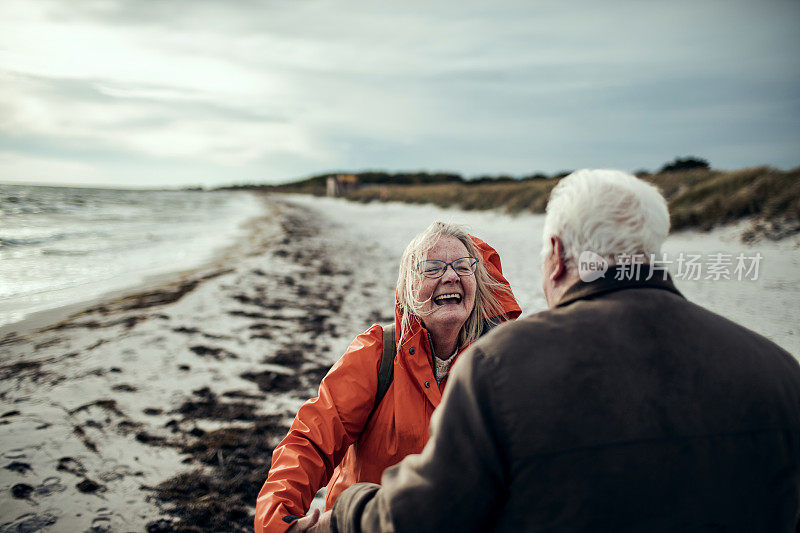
(202, 92)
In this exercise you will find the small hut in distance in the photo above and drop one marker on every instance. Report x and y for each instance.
(341, 184)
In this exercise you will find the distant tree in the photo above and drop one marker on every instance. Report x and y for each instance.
(479, 179)
(537, 176)
(486, 178)
(642, 172)
(562, 174)
(372, 177)
(443, 177)
(686, 163)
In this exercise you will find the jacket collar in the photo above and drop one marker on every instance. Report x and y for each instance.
(617, 279)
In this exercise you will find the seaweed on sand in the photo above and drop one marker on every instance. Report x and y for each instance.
(208, 406)
(221, 494)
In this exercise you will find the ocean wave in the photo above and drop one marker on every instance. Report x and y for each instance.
(33, 241)
(22, 242)
(71, 253)
(103, 238)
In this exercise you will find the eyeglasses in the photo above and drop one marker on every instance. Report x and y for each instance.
(433, 268)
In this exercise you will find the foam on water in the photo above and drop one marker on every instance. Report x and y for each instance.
(60, 246)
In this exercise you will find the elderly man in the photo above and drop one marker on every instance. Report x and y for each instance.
(622, 408)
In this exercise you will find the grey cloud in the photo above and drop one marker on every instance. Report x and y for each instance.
(72, 148)
(241, 16)
(154, 110)
(471, 86)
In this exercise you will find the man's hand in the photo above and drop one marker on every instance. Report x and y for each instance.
(313, 523)
(323, 525)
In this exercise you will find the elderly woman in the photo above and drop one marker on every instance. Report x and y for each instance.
(450, 291)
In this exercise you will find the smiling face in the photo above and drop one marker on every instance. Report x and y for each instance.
(450, 298)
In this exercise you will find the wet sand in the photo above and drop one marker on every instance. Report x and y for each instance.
(158, 411)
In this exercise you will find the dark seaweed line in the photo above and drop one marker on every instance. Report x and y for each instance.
(219, 495)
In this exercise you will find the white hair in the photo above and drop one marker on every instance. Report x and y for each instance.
(608, 212)
(487, 289)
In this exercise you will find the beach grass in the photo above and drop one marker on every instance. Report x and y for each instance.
(514, 197)
(722, 197)
(698, 198)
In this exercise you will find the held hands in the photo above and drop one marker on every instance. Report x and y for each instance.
(313, 523)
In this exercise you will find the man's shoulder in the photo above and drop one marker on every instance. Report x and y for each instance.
(623, 320)
(557, 324)
(511, 344)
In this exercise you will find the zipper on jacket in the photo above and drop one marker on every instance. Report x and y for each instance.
(430, 343)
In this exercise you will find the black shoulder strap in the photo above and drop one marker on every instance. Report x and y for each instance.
(386, 370)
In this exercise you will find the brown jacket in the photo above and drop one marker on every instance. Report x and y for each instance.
(626, 408)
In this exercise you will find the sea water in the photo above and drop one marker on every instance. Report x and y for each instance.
(61, 245)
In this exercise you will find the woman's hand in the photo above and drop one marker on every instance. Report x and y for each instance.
(313, 523)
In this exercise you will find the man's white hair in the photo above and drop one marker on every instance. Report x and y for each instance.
(608, 212)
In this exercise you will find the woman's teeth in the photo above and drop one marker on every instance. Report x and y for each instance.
(453, 298)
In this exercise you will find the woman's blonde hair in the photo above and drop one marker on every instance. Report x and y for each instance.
(487, 305)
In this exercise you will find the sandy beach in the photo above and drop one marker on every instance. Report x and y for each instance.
(158, 410)
(175, 396)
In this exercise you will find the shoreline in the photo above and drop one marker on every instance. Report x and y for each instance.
(159, 409)
(35, 321)
(107, 277)
(39, 321)
(108, 449)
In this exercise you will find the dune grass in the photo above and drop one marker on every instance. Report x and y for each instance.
(513, 197)
(724, 197)
(701, 198)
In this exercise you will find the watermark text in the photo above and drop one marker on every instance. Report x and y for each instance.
(684, 266)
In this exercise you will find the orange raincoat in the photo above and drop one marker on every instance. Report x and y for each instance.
(329, 443)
